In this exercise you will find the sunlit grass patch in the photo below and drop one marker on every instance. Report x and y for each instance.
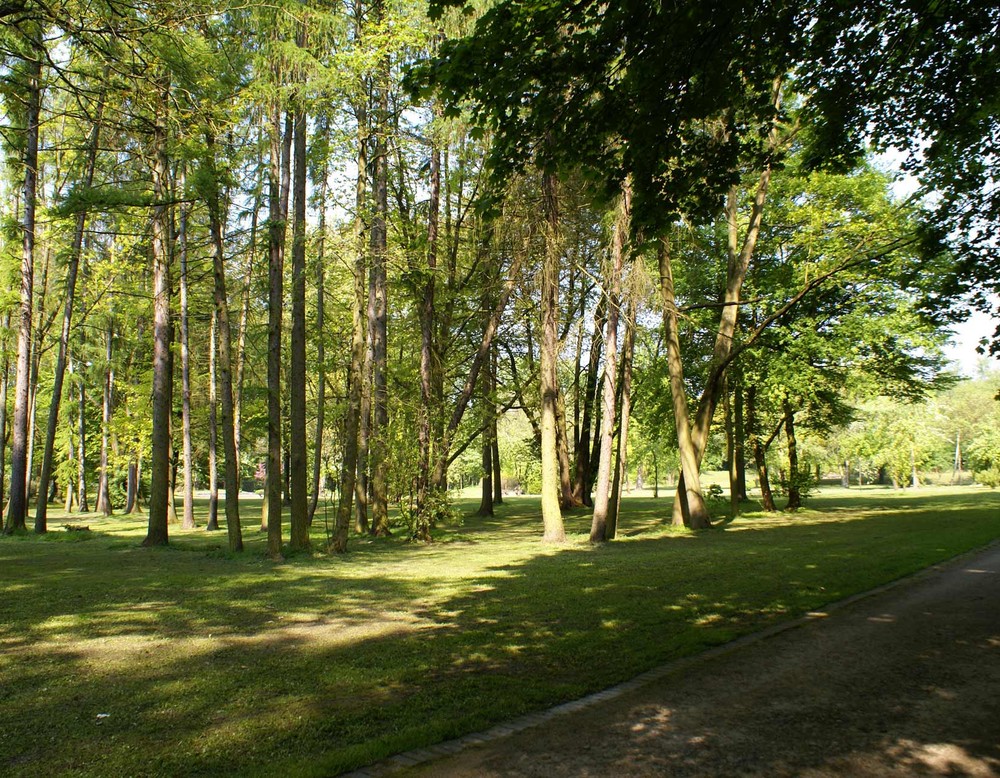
(120, 660)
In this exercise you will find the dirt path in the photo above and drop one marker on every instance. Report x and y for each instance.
(904, 682)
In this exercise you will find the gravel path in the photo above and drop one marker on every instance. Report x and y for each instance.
(902, 682)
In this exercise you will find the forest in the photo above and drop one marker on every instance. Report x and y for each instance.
(360, 252)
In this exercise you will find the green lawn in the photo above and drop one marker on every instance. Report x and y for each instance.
(119, 660)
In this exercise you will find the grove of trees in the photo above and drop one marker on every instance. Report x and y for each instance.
(337, 251)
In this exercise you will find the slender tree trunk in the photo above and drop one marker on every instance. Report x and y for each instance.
(495, 439)
(380, 413)
(276, 240)
(602, 494)
(132, 487)
(427, 409)
(241, 341)
(350, 467)
(489, 415)
(549, 379)
(162, 382)
(81, 458)
(730, 426)
(103, 483)
(320, 342)
(298, 440)
(759, 454)
(38, 340)
(188, 521)
(584, 476)
(794, 495)
(216, 219)
(72, 271)
(693, 512)
(628, 350)
(567, 499)
(213, 426)
(17, 507)
(739, 442)
(4, 383)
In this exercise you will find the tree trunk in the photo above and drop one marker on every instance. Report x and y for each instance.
(689, 505)
(276, 243)
(739, 443)
(609, 415)
(350, 466)
(320, 341)
(489, 415)
(81, 458)
(4, 383)
(298, 442)
(759, 454)
(378, 453)
(72, 271)
(132, 487)
(162, 381)
(103, 483)
(584, 475)
(188, 457)
(549, 379)
(567, 499)
(213, 426)
(794, 495)
(427, 409)
(628, 350)
(17, 507)
(216, 219)
(495, 439)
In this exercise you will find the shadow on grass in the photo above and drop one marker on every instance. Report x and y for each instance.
(119, 660)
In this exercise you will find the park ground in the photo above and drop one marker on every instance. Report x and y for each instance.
(120, 660)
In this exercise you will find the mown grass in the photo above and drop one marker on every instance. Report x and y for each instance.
(187, 660)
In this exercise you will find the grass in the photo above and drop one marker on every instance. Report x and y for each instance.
(120, 660)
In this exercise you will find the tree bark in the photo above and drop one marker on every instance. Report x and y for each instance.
(350, 465)
(378, 451)
(81, 457)
(320, 341)
(739, 443)
(628, 350)
(213, 425)
(495, 438)
(162, 382)
(298, 442)
(759, 453)
(216, 219)
(689, 504)
(602, 493)
(584, 475)
(103, 483)
(4, 383)
(17, 506)
(72, 271)
(188, 520)
(427, 408)
(276, 244)
(794, 495)
(554, 531)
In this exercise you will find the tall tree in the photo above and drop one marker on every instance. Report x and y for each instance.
(72, 271)
(17, 505)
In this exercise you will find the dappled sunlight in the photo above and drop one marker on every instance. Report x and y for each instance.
(232, 656)
(942, 759)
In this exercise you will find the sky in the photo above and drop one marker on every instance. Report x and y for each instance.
(962, 350)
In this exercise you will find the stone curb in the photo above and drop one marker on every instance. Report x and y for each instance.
(431, 753)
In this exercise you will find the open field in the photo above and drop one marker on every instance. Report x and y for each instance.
(119, 660)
